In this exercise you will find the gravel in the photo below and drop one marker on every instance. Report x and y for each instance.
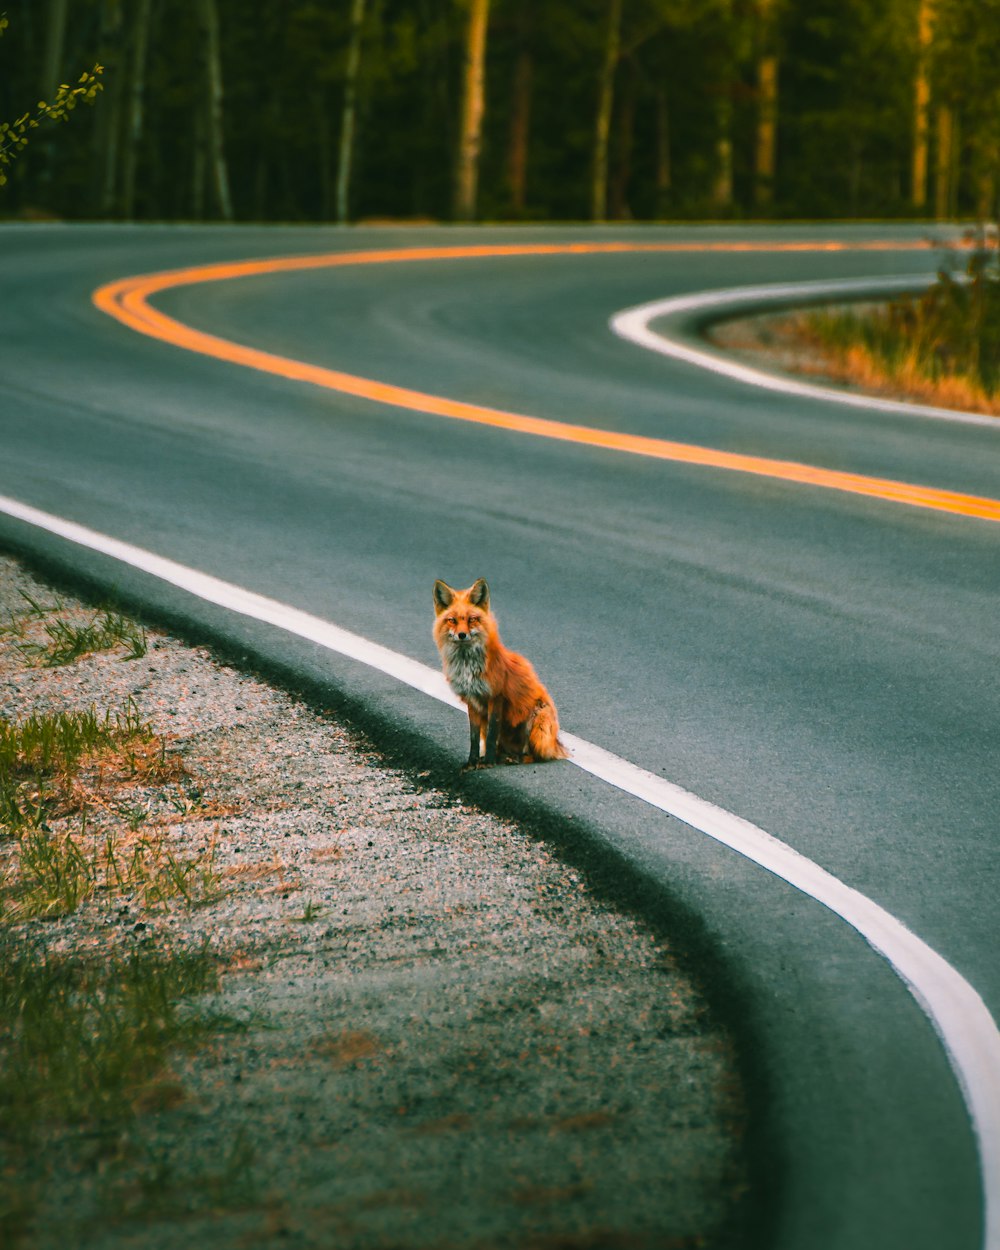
(446, 1041)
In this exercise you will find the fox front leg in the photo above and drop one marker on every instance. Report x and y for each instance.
(475, 736)
(493, 730)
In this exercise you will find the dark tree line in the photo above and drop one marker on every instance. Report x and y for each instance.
(293, 110)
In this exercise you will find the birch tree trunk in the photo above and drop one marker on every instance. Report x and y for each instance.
(214, 111)
(605, 106)
(921, 107)
(347, 121)
(470, 135)
(136, 104)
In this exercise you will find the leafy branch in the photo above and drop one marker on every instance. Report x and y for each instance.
(14, 135)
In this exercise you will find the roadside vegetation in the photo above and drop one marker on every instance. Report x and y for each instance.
(942, 347)
(88, 1028)
(515, 109)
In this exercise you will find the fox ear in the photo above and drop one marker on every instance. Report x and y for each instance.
(443, 596)
(479, 594)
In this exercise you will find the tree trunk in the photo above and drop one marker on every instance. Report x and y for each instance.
(943, 167)
(722, 191)
(663, 170)
(52, 71)
(520, 114)
(199, 159)
(214, 111)
(347, 121)
(767, 107)
(620, 209)
(986, 180)
(55, 47)
(470, 135)
(722, 187)
(107, 126)
(921, 107)
(136, 103)
(605, 106)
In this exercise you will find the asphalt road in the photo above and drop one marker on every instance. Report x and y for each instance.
(821, 664)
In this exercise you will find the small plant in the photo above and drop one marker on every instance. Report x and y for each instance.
(311, 913)
(35, 611)
(38, 755)
(54, 875)
(69, 642)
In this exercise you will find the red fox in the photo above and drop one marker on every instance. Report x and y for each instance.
(507, 703)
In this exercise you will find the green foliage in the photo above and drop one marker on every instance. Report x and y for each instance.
(688, 69)
(14, 135)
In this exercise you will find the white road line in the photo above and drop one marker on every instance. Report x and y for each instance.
(959, 1016)
(633, 324)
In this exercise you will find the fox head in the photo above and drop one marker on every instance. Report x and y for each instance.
(463, 616)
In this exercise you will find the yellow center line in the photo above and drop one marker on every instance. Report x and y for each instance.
(128, 301)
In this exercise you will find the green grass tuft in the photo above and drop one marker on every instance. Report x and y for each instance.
(40, 754)
(68, 642)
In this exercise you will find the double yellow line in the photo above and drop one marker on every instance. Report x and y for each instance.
(128, 301)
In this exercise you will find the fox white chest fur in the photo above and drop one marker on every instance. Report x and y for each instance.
(464, 667)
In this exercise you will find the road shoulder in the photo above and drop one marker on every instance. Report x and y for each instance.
(437, 1034)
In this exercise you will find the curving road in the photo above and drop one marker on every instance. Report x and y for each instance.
(819, 663)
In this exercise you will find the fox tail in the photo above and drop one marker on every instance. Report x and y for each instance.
(543, 740)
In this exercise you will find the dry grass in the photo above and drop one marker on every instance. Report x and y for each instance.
(73, 826)
(904, 375)
(941, 347)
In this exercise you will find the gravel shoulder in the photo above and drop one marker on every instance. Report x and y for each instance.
(440, 1036)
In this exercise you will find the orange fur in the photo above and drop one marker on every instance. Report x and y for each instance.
(508, 706)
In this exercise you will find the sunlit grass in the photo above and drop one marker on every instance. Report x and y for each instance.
(942, 346)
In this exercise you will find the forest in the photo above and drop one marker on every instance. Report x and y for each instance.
(517, 110)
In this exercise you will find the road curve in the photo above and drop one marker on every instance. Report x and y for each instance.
(817, 663)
